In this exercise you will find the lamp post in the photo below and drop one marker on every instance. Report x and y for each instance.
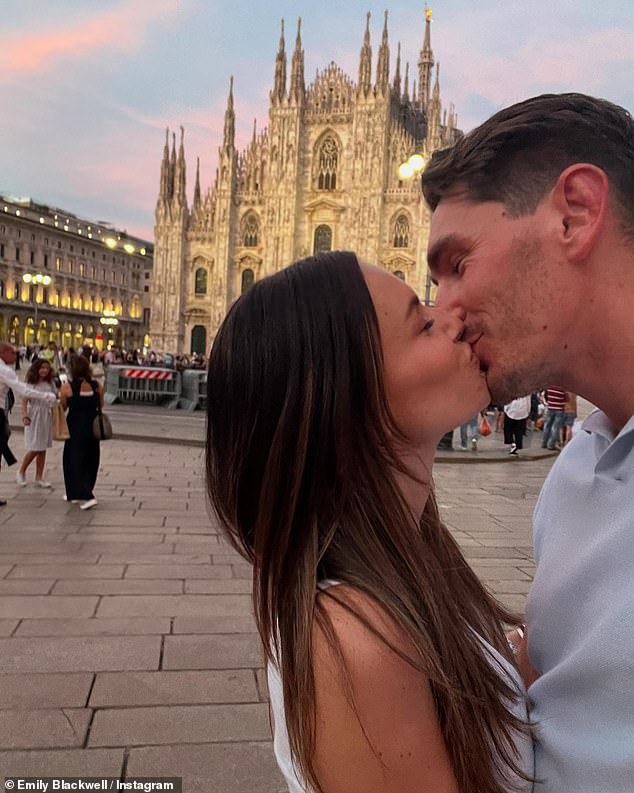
(35, 279)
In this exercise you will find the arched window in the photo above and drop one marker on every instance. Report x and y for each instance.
(328, 158)
(250, 231)
(248, 277)
(199, 339)
(401, 232)
(200, 281)
(399, 274)
(323, 239)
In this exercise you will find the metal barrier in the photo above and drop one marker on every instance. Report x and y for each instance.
(143, 384)
(194, 390)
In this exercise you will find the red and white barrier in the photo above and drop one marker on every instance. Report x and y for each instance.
(148, 374)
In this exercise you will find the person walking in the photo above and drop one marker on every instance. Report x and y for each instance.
(37, 421)
(516, 414)
(570, 414)
(555, 403)
(9, 382)
(543, 193)
(83, 397)
(469, 434)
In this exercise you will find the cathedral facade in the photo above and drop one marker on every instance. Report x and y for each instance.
(324, 174)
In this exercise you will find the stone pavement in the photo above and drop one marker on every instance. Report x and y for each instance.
(127, 645)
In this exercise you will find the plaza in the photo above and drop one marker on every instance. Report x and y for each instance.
(127, 645)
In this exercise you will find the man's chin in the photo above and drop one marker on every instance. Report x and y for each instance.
(503, 389)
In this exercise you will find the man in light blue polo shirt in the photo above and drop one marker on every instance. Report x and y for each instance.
(532, 244)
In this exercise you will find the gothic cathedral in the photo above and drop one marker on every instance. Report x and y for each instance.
(323, 175)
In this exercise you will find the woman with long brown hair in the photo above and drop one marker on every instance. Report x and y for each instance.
(329, 387)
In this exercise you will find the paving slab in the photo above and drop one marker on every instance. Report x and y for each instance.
(129, 689)
(35, 729)
(95, 627)
(67, 690)
(243, 767)
(93, 654)
(87, 762)
(221, 651)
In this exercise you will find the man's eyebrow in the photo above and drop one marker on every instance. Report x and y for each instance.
(453, 240)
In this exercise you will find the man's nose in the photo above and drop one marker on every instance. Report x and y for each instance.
(450, 322)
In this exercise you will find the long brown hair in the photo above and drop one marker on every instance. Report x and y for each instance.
(33, 373)
(301, 474)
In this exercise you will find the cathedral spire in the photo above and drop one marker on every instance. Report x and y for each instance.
(365, 61)
(406, 84)
(255, 131)
(196, 204)
(397, 74)
(180, 173)
(172, 169)
(279, 86)
(434, 114)
(230, 121)
(297, 70)
(425, 63)
(165, 169)
(383, 62)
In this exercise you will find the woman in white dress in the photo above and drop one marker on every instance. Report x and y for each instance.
(329, 387)
(37, 418)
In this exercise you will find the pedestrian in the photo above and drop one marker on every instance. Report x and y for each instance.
(9, 383)
(516, 414)
(542, 193)
(555, 401)
(387, 664)
(37, 421)
(469, 434)
(570, 414)
(83, 396)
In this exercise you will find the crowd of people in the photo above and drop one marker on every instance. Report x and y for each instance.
(81, 398)
(550, 410)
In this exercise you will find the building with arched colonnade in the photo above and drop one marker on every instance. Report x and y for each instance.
(70, 280)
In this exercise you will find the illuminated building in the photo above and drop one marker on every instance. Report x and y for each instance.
(324, 174)
(61, 275)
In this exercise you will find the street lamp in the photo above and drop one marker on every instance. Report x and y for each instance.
(35, 279)
(109, 320)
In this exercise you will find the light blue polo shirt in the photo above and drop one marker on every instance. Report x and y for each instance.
(580, 615)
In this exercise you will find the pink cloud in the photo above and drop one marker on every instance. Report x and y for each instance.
(125, 25)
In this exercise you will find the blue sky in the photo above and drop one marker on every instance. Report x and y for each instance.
(87, 87)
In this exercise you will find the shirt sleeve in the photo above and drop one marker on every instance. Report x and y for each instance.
(10, 379)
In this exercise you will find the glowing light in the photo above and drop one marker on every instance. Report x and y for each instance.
(428, 13)
(65, 228)
(405, 171)
(27, 278)
(110, 242)
(47, 280)
(41, 220)
(129, 248)
(17, 212)
(108, 320)
(417, 162)
(142, 251)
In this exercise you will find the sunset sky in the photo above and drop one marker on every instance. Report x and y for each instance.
(87, 87)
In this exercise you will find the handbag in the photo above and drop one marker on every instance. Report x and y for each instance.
(101, 424)
(60, 426)
(484, 428)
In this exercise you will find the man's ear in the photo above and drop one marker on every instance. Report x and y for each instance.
(580, 196)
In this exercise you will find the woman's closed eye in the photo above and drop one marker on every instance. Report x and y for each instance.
(427, 325)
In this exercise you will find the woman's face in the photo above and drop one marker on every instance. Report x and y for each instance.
(432, 379)
(44, 372)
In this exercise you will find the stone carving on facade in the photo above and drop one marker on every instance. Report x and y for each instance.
(323, 173)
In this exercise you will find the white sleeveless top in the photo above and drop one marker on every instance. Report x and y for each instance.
(281, 744)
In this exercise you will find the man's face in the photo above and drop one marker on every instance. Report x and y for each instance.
(8, 355)
(497, 274)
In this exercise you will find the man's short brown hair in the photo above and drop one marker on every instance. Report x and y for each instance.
(516, 156)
